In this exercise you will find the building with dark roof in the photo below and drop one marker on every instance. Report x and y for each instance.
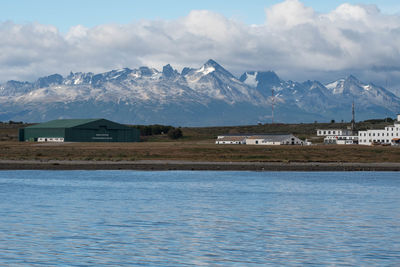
(79, 130)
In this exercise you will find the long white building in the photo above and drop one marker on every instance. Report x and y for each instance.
(274, 140)
(260, 139)
(388, 136)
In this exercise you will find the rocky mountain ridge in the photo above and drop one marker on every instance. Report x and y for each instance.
(209, 95)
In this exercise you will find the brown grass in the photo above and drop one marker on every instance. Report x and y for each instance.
(195, 151)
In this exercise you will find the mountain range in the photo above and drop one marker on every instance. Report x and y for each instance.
(206, 96)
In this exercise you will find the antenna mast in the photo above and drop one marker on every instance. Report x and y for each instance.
(353, 121)
(272, 104)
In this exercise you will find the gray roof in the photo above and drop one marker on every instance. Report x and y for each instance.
(273, 137)
(254, 134)
(232, 139)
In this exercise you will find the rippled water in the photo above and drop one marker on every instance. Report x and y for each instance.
(199, 218)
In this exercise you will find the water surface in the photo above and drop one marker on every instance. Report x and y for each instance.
(79, 218)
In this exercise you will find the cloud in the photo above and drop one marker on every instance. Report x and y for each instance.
(289, 14)
(295, 41)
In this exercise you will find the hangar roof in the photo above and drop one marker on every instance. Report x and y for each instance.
(66, 123)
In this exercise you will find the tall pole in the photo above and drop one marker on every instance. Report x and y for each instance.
(353, 121)
(273, 102)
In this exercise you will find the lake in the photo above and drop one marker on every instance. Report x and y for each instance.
(180, 218)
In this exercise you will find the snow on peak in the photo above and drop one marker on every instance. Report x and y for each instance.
(367, 87)
(206, 70)
(333, 85)
(251, 79)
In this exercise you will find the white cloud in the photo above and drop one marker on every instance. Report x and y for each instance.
(296, 41)
(289, 14)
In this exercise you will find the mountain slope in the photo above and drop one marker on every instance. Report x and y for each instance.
(209, 95)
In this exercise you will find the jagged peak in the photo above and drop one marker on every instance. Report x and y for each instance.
(269, 74)
(14, 82)
(313, 83)
(212, 66)
(352, 78)
(186, 70)
(316, 85)
(168, 71)
(49, 80)
(213, 63)
(74, 74)
(146, 71)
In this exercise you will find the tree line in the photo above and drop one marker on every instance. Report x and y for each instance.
(156, 129)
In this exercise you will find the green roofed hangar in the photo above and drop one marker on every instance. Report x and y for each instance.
(79, 130)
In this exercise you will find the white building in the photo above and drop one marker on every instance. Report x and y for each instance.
(326, 132)
(338, 136)
(231, 140)
(274, 140)
(388, 136)
(341, 139)
(51, 139)
(264, 139)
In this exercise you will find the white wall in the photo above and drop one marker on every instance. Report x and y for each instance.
(326, 132)
(50, 139)
(384, 136)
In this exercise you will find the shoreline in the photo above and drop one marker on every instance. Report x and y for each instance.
(169, 165)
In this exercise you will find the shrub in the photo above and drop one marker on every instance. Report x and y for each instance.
(175, 133)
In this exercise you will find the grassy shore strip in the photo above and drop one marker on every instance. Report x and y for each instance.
(165, 165)
(195, 152)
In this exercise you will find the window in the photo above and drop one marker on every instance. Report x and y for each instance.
(334, 132)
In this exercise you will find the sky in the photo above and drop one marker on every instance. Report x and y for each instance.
(90, 13)
(299, 39)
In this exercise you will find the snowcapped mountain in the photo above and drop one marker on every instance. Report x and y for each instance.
(333, 100)
(209, 95)
(366, 95)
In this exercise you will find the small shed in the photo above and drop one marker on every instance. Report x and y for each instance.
(79, 130)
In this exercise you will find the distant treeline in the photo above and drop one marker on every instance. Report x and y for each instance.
(380, 120)
(13, 122)
(156, 129)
